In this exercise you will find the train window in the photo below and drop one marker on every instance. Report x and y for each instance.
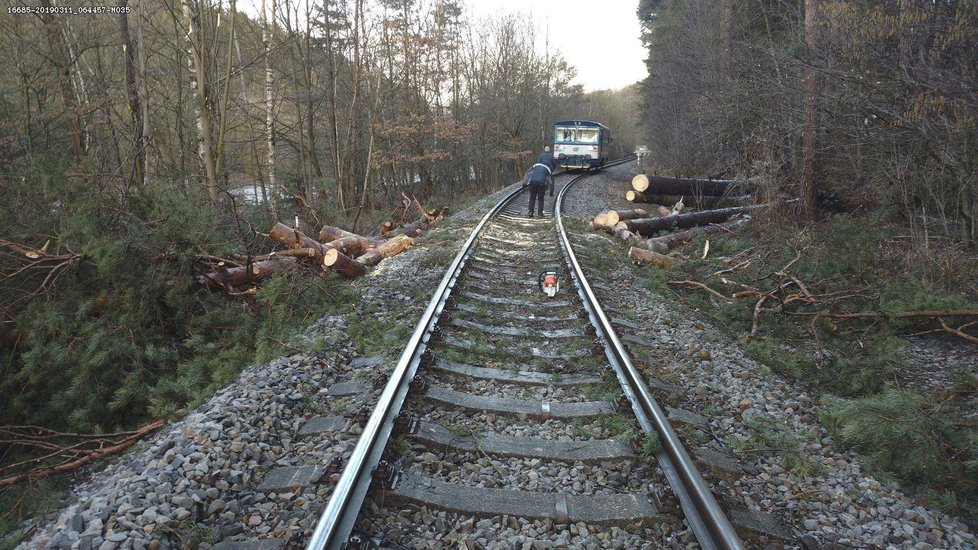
(587, 135)
(566, 134)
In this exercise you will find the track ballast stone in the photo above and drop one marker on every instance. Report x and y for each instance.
(838, 503)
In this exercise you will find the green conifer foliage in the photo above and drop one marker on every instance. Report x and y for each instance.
(126, 334)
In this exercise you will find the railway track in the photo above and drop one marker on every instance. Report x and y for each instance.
(510, 411)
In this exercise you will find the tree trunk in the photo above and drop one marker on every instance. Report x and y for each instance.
(63, 63)
(650, 257)
(383, 229)
(352, 245)
(648, 226)
(222, 122)
(415, 228)
(135, 111)
(330, 233)
(622, 232)
(695, 201)
(343, 264)
(293, 238)
(390, 248)
(147, 133)
(809, 138)
(243, 275)
(679, 186)
(269, 112)
(665, 243)
(196, 46)
(615, 216)
(601, 221)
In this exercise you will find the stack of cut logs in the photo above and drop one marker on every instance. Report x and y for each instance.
(346, 253)
(657, 191)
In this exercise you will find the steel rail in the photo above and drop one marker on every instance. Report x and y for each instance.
(707, 521)
(340, 515)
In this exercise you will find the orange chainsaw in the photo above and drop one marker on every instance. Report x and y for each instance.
(549, 282)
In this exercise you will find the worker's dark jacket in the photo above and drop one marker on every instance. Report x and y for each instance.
(547, 158)
(539, 174)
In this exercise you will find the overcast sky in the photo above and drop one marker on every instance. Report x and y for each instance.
(614, 59)
(618, 58)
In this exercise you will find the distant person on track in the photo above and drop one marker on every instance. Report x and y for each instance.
(539, 177)
(546, 157)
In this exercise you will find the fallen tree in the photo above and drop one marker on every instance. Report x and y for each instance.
(63, 452)
(415, 228)
(679, 186)
(343, 264)
(665, 243)
(335, 250)
(247, 274)
(615, 216)
(804, 302)
(294, 238)
(695, 201)
(650, 257)
(390, 248)
(648, 226)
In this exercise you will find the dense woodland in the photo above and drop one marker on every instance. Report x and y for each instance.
(871, 103)
(867, 111)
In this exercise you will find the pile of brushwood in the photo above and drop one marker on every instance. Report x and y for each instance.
(344, 252)
(832, 304)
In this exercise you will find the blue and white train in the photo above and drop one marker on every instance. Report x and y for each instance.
(581, 144)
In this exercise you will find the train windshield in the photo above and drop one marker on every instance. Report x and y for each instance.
(587, 135)
(577, 135)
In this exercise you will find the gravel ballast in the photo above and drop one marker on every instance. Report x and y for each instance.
(197, 481)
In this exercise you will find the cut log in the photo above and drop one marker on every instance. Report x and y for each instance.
(353, 245)
(415, 228)
(662, 211)
(689, 200)
(640, 182)
(329, 233)
(648, 226)
(390, 248)
(679, 186)
(601, 221)
(238, 276)
(343, 264)
(295, 253)
(615, 216)
(621, 231)
(293, 238)
(382, 229)
(665, 243)
(650, 257)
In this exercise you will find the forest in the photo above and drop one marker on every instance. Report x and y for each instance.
(867, 112)
(141, 146)
(840, 103)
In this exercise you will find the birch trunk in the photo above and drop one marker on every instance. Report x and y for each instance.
(135, 111)
(269, 108)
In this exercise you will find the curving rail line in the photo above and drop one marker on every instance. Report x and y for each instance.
(706, 520)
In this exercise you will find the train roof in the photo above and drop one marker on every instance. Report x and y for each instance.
(580, 123)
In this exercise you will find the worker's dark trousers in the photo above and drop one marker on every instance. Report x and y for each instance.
(537, 192)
